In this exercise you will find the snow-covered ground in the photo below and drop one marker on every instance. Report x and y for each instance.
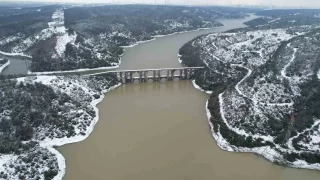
(266, 151)
(50, 143)
(56, 27)
(266, 93)
(15, 54)
(283, 72)
(71, 71)
(62, 41)
(63, 37)
(274, 20)
(77, 88)
(199, 88)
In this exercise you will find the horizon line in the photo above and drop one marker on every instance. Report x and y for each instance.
(165, 4)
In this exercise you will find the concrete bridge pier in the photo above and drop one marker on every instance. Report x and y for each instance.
(128, 77)
(168, 76)
(172, 74)
(185, 76)
(155, 77)
(140, 76)
(116, 75)
(189, 73)
(121, 80)
(131, 77)
(193, 72)
(159, 75)
(145, 73)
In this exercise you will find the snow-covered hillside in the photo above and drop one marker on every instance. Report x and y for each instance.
(55, 27)
(69, 38)
(263, 81)
(55, 111)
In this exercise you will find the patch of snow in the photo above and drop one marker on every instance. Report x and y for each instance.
(58, 19)
(137, 43)
(180, 60)
(274, 20)
(283, 71)
(199, 88)
(15, 54)
(62, 41)
(266, 151)
(77, 70)
(4, 66)
(11, 38)
(50, 143)
(238, 84)
(6, 159)
(214, 45)
(55, 27)
(228, 41)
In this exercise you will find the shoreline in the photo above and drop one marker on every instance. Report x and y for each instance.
(72, 71)
(4, 66)
(109, 67)
(164, 35)
(15, 54)
(50, 144)
(195, 85)
(266, 151)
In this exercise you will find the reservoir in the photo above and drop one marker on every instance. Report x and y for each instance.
(18, 65)
(159, 131)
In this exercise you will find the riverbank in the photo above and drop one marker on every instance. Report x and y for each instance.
(164, 127)
(241, 114)
(117, 65)
(52, 144)
(72, 71)
(15, 54)
(4, 66)
(88, 91)
(266, 152)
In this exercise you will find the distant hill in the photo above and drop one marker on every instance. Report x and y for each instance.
(61, 38)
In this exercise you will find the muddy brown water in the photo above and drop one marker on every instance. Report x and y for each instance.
(157, 131)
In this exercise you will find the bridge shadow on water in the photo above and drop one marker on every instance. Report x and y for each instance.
(152, 86)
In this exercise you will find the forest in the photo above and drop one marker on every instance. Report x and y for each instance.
(63, 38)
(265, 86)
(273, 19)
(36, 109)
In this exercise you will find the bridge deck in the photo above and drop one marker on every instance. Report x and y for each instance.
(127, 76)
(161, 69)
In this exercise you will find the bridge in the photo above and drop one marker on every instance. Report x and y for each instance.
(144, 75)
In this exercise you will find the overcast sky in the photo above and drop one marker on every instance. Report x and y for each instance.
(283, 3)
